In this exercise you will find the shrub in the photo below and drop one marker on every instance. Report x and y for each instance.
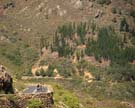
(37, 73)
(71, 101)
(110, 46)
(81, 32)
(34, 103)
(27, 72)
(13, 39)
(65, 36)
(132, 13)
(42, 72)
(68, 99)
(114, 10)
(124, 25)
(42, 62)
(50, 70)
(49, 73)
(107, 40)
(133, 40)
(122, 72)
(107, 2)
(65, 68)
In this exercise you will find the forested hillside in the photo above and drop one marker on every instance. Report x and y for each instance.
(80, 47)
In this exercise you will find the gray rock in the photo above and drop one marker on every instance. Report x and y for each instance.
(99, 13)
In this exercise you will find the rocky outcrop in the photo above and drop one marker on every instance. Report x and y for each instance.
(22, 101)
(38, 68)
(5, 81)
(99, 13)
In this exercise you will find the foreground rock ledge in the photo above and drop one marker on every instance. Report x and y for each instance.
(27, 97)
(21, 101)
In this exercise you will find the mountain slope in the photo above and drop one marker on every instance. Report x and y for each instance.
(25, 23)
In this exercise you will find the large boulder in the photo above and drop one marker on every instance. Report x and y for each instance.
(5, 81)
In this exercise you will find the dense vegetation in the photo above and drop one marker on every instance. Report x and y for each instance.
(109, 45)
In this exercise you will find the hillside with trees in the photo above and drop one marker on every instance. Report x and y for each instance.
(85, 49)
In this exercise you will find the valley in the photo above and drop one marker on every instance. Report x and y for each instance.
(83, 49)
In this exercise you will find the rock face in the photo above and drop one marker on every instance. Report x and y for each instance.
(5, 81)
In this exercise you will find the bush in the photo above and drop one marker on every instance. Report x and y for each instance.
(50, 70)
(132, 13)
(49, 73)
(107, 40)
(122, 72)
(27, 72)
(34, 103)
(37, 73)
(65, 68)
(124, 25)
(68, 99)
(42, 73)
(107, 2)
(114, 10)
(65, 36)
(71, 101)
(110, 46)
